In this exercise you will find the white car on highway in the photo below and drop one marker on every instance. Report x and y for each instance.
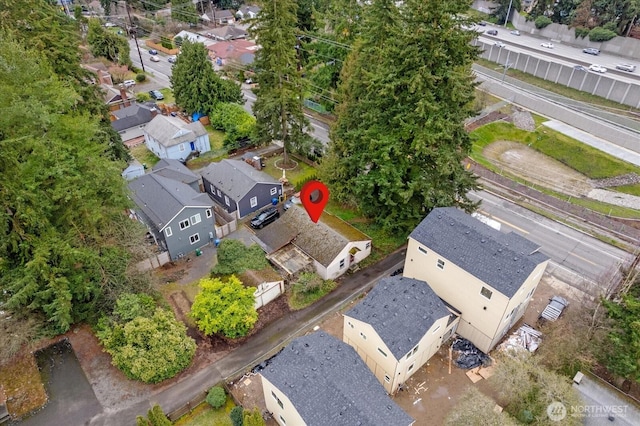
(499, 44)
(547, 45)
(597, 68)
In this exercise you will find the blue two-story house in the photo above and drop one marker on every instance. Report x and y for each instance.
(180, 219)
(238, 187)
(172, 138)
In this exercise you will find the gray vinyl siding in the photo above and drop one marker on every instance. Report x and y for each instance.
(263, 192)
(179, 242)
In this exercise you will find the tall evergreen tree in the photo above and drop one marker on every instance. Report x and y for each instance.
(280, 92)
(184, 11)
(196, 85)
(397, 147)
(62, 227)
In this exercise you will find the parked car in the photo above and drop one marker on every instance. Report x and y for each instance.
(554, 309)
(597, 68)
(110, 25)
(626, 67)
(499, 44)
(591, 51)
(515, 32)
(153, 52)
(265, 217)
(492, 32)
(172, 59)
(579, 68)
(482, 23)
(129, 83)
(156, 94)
(155, 59)
(547, 45)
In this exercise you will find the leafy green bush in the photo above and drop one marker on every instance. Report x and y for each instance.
(234, 121)
(611, 26)
(178, 40)
(166, 42)
(300, 183)
(150, 349)
(236, 416)
(142, 97)
(542, 21)
(581, 32)
(235, 258)
(253, 418)
(226, 307)
(308, 288)
(601, 34)
(216, 397)
(140, 77)
(130, 306)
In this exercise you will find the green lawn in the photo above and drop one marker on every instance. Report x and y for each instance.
(144, 156)
(300, 173)
(204, 415)
(168, 96)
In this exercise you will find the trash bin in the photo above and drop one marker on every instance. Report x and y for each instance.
(274, 201)
(198, 252)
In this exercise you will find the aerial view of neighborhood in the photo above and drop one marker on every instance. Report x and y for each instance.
(319, 212)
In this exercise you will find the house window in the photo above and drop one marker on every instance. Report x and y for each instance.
(368, 245)
(195, 219)
(184, 224)
(277, 399)
(387, 378)
(412, 352)
(382, 352)
(440, 263)
(274, 191)
(341, 263)
(226, 200)
(410, 368)
(486, 292)
(181, 147)
(363, 336)
(350, 325)
(167, 231)
(254, 201)
(219, 193)
(194, 238)
(436, 329)
(422, 250)
(208, 213)
(283, 420)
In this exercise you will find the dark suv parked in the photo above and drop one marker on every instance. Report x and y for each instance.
(492, 32)
(265, 217)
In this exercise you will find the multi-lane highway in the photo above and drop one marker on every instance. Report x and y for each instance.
(561, 53)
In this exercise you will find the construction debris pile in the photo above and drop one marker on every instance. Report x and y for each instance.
(524, 338)
(468, 356)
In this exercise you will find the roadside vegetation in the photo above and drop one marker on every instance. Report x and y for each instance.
(307, 289)
(592, 163)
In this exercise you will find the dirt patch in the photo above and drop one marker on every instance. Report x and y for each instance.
(527, 163)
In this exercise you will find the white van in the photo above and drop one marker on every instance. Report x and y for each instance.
(129, 83)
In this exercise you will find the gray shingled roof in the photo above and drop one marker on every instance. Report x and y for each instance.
(236, 178)
(161, 198)
(131, 116)
(329, 384)
(174, 169)
(170, 131)
(501, 260)
(318, 240)
(401, 310)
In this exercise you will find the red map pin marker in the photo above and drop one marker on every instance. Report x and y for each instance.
(314, 197)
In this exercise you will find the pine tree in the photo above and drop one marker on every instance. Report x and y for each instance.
(278, 107)
(397, 148)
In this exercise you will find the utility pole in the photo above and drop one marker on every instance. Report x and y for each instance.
(213, 13)
(134, 31)
(506, 19)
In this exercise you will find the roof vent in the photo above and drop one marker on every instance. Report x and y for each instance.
(452, 223)
(483, 240)
(389, 407)
(515, 259)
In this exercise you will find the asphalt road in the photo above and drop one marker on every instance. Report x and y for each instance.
(581, 256)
